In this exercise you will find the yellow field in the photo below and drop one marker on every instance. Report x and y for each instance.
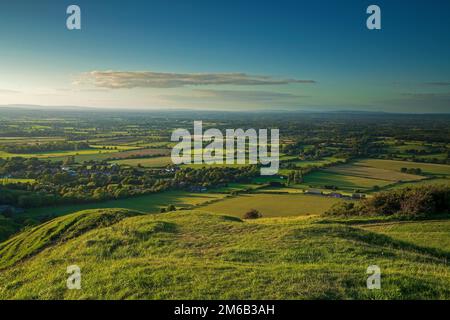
(14, 180)
(55, 153)
(272, 205)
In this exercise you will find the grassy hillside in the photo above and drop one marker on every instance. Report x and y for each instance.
(33, 240)
(198, 255)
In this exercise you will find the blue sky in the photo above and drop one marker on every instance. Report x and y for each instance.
(296, 55)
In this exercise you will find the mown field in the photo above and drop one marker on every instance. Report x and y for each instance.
(320, 179)
(196, 255)
(368, 174)
(272, 205)
(55, 154)
(427, 168)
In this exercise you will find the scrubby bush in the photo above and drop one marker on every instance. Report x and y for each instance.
(252, 214)
(411, 202)
(344, 209)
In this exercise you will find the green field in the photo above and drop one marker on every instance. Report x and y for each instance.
(149, 203)
(319, 179)
(119, 154)
(427, 168)
(362, 171)
(236, 187)
(315, 163)
(126, 255)
(272, 205)
(366, 174)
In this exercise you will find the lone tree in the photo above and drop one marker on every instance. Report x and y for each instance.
(252, 214)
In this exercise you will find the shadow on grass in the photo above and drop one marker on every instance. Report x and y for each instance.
(371, 238)
(360, 220)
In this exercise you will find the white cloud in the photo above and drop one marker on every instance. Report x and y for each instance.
(149, 79)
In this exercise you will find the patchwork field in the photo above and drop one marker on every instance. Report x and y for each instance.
(368, 174)
(363, 171)
(272, 205)
(320, 179)
(427, 168)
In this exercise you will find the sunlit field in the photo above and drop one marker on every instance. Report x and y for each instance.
(273, 205)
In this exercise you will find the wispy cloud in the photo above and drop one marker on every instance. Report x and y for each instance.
(149, 79)
(438, 83)
(7, 91)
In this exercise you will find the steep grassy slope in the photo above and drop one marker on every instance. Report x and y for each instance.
(197, 255)
(58, 230)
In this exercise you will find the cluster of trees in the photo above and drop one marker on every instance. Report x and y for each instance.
(27, 168)
(252, 214)
(56, 184)
(44, 147)
(169, 208)
(214, 176)
(410, 202)
(417, 171)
